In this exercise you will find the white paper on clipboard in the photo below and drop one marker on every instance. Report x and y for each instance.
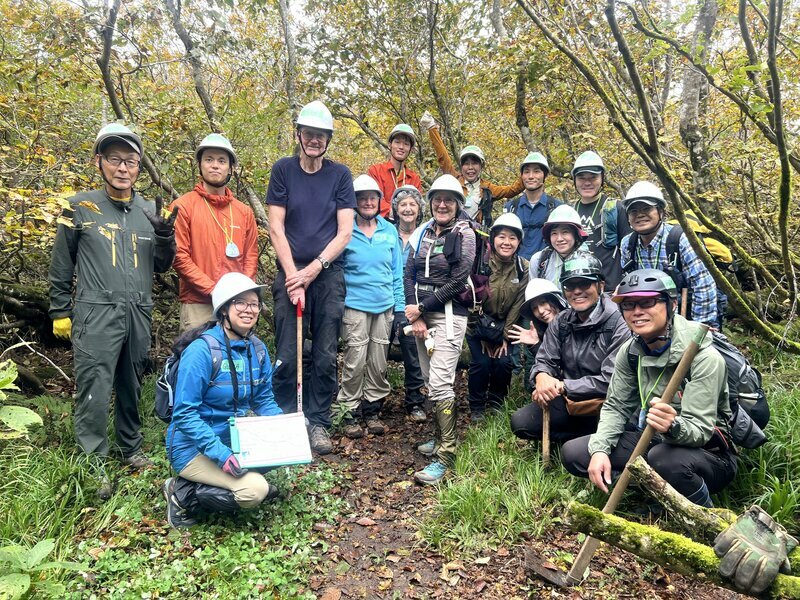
(270, 441)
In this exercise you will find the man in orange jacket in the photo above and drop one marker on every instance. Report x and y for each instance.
(394, 173)
(215, 233)
(478, 193)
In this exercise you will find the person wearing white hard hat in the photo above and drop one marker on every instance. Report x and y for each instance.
(373, 274)
(603, 218)
(223, 372)
(437, 271)
(215, 233)
(478, 193)
(493, 357)
(534, 205)
(563, 235)
(655, 244)
(311, 202)
(108, 245)
(394, 173)
(408, 210)
(543, 302)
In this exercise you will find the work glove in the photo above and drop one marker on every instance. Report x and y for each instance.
(399, 322)
(163, 222)
(753, 550)
(62, 328)
(233, 468)
(427, 121)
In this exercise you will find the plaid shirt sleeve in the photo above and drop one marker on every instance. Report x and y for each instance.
(701, 284)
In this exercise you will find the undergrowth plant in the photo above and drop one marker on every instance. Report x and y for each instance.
(24, 570)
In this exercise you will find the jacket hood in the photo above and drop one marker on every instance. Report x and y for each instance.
(217, 201)
(219, 334)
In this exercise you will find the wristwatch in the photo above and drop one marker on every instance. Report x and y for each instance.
(675, 427)
(421, 308)
(325, 264)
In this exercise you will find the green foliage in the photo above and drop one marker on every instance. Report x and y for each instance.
(24, 568)
(16, 418)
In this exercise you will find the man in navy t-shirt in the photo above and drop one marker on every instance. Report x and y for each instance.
(311, 202)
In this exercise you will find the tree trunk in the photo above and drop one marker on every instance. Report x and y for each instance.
(520, 111)
(675, 552)
(290, 75)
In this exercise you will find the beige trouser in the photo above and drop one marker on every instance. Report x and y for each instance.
(439, 373)
(248, 490)
(366, 344)
(194, 315)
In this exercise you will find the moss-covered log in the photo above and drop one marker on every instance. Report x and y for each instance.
(676, 552)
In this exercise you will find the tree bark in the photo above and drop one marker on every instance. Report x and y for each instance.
(675, 552)
(519, 108)
(290, 75)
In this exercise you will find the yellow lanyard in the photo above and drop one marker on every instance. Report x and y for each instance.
(403, 171)
(645, 398)
(228, 239)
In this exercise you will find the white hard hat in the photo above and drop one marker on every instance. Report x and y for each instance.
(537, 288)
(509, 221)
(116, 132)
(217, 142)
(646, 193)
(536, 158)
(403, 129)
(315, 114)
(563, 214)
(472, 151)
(447, 183)
(231, 285)
(588, 162)
(365, 183)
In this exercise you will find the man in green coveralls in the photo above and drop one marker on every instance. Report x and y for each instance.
(113, 244)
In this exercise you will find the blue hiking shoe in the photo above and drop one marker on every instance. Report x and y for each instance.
(431, 474)
(428, 448)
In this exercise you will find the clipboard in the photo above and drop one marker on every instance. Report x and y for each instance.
(274, 441)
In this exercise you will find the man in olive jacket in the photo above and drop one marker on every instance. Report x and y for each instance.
(113, 242)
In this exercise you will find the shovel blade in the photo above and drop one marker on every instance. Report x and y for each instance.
(544, 569)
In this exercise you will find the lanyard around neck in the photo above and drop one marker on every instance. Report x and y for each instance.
(646, 397)
(228, 238)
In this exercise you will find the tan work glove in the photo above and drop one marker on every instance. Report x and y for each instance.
(62, 328)
(427, 121)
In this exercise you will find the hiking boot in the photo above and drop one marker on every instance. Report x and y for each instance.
(427, 448)
(105, 487)
(320, 440)
(353, 430)
(375, 426)
(477, 416)
(177, 516)
(138, 460)
(431, 474)
(272, 493)
(417, 415)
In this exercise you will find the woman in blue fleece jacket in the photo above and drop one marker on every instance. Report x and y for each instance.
(373, 276)
(210, 478)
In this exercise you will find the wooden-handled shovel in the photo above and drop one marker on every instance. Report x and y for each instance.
(299, 357)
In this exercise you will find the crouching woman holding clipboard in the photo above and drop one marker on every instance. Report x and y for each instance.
(222, 373)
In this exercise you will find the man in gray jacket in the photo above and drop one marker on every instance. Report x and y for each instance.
(575, 361)
(111, 240)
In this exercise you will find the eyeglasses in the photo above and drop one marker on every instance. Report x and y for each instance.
(580, 284)
(311, 134)
(447, 201)
(116, 161)
(628, 305)
(242, 305)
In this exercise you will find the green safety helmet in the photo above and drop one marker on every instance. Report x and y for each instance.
(116, 132)
(315, 114)
(403, 129)
(582, 265)
(217, 142)
(472, 151)
(536, 158)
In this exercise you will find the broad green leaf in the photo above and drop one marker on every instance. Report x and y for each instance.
(8, 374)
(14, 586)
(13, 555)
(61, 564)
(19, 418)
(39, 552)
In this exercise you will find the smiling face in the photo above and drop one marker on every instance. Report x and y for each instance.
(582, 294)
(243, 312)
(471, 168)
(506, 242)
(544, 310)
(215, 167)
(533, 177)
(648, 321)
(444, 207)
(563, 239)
(400, 147)
(313, 142)
(643, 218)
(588, 184)
(119, 177)
(408, 211)
(367, 204)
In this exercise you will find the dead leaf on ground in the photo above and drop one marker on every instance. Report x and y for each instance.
(385, 572)
(479, 585)
(483, 560)
(366, 522)
(393, 558)
(331, 594)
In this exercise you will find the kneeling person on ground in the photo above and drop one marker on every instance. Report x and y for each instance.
(692, 449)
(575, 361)
(210, 478)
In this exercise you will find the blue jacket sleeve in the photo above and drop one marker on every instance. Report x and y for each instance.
(397, 272)
(194, 374)
(264, 404)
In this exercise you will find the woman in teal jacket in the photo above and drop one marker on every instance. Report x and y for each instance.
(207, 393)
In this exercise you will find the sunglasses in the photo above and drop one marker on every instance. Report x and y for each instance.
(628, 305)
(580, 284)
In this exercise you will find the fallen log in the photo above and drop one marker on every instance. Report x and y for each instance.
(671, 550)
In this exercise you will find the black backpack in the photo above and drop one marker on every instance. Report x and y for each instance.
(748, 402)
(477, 288)
(673, 245)
(168, 380)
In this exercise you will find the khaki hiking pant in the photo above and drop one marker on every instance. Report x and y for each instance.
(439, 372)
(366, 345)
(248, 491)
(194, 315)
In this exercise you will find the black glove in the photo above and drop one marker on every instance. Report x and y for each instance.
(399, 322)
(161, 226)
(232, 467)
(753, 550)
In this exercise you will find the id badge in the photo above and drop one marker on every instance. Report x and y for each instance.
(642, 419)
